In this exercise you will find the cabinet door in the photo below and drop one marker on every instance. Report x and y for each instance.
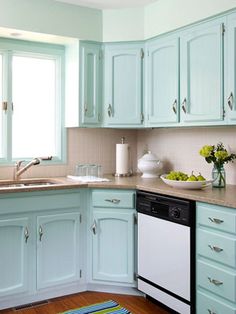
(201, 64)
(14, 260)
(230, 73)
(57, 249)
(123, 85)
(90, 83)
(163, 81)
(113, 246)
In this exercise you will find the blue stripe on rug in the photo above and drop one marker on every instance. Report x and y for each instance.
(110, 307)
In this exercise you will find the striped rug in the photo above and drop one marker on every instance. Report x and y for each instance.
(108, 307)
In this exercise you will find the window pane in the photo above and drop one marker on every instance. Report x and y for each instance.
(34, 99)
(1, 99)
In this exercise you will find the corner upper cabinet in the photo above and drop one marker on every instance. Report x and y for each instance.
(230, 71)
(123, 85)
(162, 77)
(90, 84)
(201, 79)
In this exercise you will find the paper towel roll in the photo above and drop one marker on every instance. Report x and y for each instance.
(122, 158)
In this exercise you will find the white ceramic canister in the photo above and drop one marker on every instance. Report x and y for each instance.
(149, 165)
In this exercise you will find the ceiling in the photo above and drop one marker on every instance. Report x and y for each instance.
(108, 4)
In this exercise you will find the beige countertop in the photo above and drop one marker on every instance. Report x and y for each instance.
(220, 196)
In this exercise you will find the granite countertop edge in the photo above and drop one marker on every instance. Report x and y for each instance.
(223, 197)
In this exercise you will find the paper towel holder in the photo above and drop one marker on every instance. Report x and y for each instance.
(130, 172)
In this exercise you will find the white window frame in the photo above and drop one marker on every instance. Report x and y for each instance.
(9, 48)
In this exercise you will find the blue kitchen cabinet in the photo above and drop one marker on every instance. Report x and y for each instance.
(162, 81)
(113, 219)
(15, 248)
(90, 83)
(201, 74)
(57, 249)
(123, 85)
(216, 259)
(230, 70)
(40, 242)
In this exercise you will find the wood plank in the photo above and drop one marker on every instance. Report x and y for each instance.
(135, 304)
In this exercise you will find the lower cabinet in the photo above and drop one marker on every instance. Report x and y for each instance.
(216, 259)
(15, 254)
(113, 236)
(57, 249)
(40, 240)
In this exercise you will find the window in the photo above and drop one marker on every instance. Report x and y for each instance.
(32, 94)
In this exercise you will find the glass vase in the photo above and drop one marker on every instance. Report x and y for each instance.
(218, 175)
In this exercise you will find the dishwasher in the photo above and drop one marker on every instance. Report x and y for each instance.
(166, 250)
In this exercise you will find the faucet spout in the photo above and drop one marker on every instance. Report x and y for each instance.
(18, 171)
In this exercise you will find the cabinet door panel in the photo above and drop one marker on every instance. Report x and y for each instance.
(230, 101)
(163, 81)
(14, 248)
(90, 82)
(57, 254)
(113, 246)
(123, 85)
(202, 73)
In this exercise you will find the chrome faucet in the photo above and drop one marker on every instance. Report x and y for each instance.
(18, 170)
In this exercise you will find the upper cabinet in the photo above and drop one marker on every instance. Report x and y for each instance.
(162, 81)
(123, 82)
(201, 74)
(230, 69)
(90, 84)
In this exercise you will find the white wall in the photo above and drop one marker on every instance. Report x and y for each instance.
(166, 15)
(159, 17)
(123, 25)
(51, 17)
(178, 148)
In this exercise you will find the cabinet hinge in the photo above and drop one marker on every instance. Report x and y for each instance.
(135, 218)
(142, 53)
(142, 117)
(223, 28)
(223, 113)
(80, 218)
(80, 273)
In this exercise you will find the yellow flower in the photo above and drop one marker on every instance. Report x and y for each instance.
(221, 155)
(206, 150)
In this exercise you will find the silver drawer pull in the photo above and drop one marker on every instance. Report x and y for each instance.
(216, 220)
(40, 233)
(215, 281)
(215, 248)
(230, 100)
(183, 105)
(26, 234)
(210, 311)
(113, 200)
(174, 106)
(94, 227)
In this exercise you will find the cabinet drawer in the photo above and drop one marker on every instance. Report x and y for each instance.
(217, 280)
(207, 305)
(117, 199)
(217, 217)
(221, 248)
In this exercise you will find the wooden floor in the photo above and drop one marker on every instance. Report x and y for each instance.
(136, 305)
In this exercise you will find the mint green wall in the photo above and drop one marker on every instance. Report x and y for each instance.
(51, 17)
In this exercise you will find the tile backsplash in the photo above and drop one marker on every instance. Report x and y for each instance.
(84, 146)
(178, 148)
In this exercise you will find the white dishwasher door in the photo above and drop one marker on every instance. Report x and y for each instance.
(164, 254)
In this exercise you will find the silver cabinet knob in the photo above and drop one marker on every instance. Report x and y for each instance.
(230, 100)
(183, 105)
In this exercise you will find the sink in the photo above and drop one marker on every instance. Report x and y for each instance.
(27, 183)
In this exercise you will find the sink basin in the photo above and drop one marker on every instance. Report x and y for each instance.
(27, 183)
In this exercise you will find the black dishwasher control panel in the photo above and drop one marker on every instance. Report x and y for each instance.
(166, 207)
